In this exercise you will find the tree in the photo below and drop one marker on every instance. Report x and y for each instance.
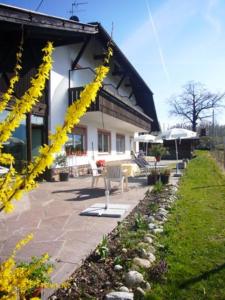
(194, 103)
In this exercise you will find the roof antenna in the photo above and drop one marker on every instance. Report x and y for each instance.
(112, 30)
(39, 5)
(75, 10)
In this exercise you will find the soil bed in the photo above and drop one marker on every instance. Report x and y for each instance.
(97, 276)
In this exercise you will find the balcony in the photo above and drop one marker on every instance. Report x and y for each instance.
(116, 106)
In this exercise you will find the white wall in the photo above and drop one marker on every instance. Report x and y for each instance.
(59, 84)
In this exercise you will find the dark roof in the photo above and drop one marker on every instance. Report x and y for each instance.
(143, 93)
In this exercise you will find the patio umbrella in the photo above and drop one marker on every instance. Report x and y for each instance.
(144, 138)
(12, 141)
(178, 134)
(147, 138)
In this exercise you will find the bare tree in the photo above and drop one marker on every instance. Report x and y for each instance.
(194, 103)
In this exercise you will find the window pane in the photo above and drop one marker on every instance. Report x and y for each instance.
(120, 143)
(17, 143)
(106, 143)
(103, 142)
(76, 141)
(37, 120)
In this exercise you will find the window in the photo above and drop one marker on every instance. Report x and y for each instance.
(17, 143)
(103, 141)
(120, 143)
(77, 142)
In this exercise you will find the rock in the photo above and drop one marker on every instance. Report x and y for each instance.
(163, 211)
(148, 239)
(107, 283)
(118, 268)
(139, 292)
(158, 230)
(133, 278)
(151, 226)
(141, 262)
(159, 217)
(146, 285)
(151, 219)
(151, 257)
(151, 249)
(119, 296)
(124, 289)
(143, 253)
(142, 245)
(124, 250)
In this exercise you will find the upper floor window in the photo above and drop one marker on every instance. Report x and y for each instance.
(120, 143)
(104, 141)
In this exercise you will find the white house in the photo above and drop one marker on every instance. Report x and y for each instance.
(124, 105)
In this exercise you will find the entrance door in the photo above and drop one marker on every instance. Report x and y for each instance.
(37, 139)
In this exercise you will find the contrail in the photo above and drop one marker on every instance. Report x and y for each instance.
(158, 43)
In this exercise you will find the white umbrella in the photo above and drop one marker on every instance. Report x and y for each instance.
(177, 134)
(13, 141)
(145, 138)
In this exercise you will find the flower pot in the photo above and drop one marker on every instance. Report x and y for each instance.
(152, 179)
(35, 293)
(165, 179)
(63, 176)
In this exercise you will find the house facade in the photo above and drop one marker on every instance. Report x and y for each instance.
(123, 106)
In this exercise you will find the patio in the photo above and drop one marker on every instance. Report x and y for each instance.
(52, 214)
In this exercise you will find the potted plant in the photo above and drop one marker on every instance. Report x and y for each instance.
(165, 174)
(158, 151)
(100, 163)
(61, 161)
(153, 177)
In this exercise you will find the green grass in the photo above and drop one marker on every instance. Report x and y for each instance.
(194, 236)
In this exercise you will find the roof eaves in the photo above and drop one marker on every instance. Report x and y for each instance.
(27, 17)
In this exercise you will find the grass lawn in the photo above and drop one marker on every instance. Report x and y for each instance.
(194, 236)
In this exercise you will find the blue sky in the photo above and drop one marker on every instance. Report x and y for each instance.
(169, 42)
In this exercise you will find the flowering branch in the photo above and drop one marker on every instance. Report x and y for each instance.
(58, 139)
(31, 96)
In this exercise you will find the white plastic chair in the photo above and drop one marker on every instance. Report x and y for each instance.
(115, 173)
(96, 174)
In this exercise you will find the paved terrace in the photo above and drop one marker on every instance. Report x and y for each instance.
(52, 213)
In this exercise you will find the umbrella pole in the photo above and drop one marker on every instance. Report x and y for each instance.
(107, 199)
(176, 155)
